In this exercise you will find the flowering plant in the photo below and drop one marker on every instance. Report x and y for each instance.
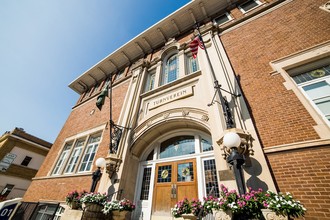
(284, 204)
(74, 197)
(122, 205)
(96, 198)
(181, 207)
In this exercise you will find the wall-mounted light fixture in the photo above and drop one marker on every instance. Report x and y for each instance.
(235, 148)
(100, 163)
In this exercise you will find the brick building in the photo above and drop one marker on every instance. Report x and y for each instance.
(276, 54)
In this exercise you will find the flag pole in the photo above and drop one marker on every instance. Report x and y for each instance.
(223, 101)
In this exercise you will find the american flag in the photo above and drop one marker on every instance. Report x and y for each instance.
(197, 42)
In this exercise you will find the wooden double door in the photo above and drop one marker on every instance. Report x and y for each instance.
(174, 181)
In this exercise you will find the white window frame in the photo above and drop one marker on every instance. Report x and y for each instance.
(188, 66)
(284, 65)
(243, 11)
(62, 166)
(165, 71)
(151, 75)
(92, 146)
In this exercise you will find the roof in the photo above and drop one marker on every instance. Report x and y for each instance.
(176, 24)
(19, 132)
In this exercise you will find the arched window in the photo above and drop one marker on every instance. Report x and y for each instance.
(171, 70)
(177, 146)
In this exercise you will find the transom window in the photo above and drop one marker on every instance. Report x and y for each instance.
(77, 156)
(171, 70)
(315, 84)
(177, 146)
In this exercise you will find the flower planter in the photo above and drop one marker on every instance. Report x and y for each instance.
(117, 215)
(74, 205)
(92, 207)
(270, 215)
(222, 215)
(188, 217)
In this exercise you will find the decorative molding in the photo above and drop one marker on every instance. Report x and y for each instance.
(326, 6)
(297, 146)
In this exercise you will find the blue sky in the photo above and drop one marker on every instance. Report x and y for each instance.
(46, 44)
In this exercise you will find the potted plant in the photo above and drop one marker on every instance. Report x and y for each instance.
(93, 201)
(283, 205)
(73, 199)
(188, 209)
(119, 209)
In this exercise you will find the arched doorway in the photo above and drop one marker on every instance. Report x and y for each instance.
(176, 165)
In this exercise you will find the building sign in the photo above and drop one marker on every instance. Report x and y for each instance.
(6, 161)
(170, 97)
(8, 208)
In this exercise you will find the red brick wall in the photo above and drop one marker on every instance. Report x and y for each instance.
(279, 116)
(306, 174)
(78, 121)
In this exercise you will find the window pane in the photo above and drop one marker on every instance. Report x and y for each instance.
(324, 105)
(192, 65)
(74, 156)
(62, 158)
(185, 172)
(177, 146)
(171, 70)
(90, 152)
(145, 184)
(206, 146)
(164, 174)
(317, 90)
(222, 19)
(211, 181)
(150, 81)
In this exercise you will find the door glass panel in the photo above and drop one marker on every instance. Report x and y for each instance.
(164, 174)
(185, 172)
(177, 146)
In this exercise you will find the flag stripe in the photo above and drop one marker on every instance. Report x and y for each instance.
(197, 42)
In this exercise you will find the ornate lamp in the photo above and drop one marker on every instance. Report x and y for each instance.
(100, 163)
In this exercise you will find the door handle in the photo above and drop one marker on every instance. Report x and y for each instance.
(173, 191)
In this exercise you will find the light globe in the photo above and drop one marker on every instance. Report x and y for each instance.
(100, 162)
(231, 139)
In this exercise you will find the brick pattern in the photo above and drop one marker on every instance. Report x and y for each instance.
(78, 121)
(305, 174)
(279, 116)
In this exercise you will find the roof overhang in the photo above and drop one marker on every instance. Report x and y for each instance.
(176, 24)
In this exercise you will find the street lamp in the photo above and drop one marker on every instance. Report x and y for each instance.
(232, 142)
(100, 163)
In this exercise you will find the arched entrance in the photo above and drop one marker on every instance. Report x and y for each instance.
(175, 165)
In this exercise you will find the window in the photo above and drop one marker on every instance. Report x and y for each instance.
(120, 74)
(150, 83)
(89, 155)
(206, 145)
(177, 146)
(249, 5)
(192, 65)
(211, 181)
(222, 19)
(77, 155)
(26, 161)
(62, 158)
(145, 183)
(45, 211)
(59, 213)
(315, 85)
(7, 189)
(170, 70)
(74, 156)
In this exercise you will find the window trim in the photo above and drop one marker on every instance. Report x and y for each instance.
(72, 140)
(230, 18)
(162, 79)
(294, 61)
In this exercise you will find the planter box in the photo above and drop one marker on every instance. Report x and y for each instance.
(270, 215)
